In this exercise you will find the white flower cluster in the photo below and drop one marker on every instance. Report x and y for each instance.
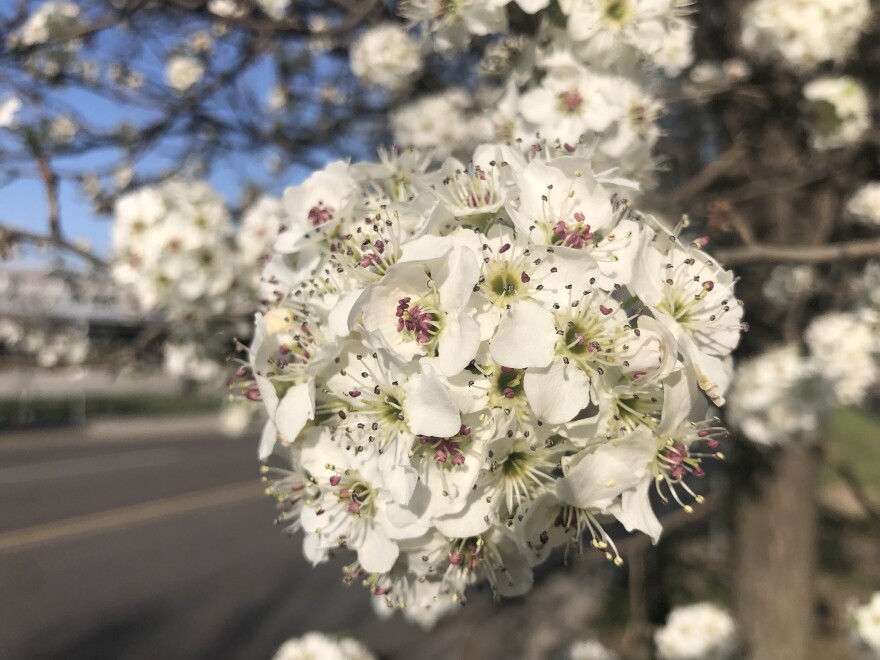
(51, 35)
(787, 283)
(864, 205)
(172, 249)
(275, 9)
(802, 34)
(386, 56)
(183, 72)
(317, 645)
(781, 396)
(466, 368)
(778, 398)
(866, 628)
(845, 348)
(436, 122)
(584, 74)
(702, 631)
(50, 346)
(9, 108)
(602, 31)
(259, 228)
(588, 650)
(837, 112)
(51, 20)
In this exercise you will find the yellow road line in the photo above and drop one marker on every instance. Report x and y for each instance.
(127, 516)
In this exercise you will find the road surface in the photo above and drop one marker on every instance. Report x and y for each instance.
(157, 547)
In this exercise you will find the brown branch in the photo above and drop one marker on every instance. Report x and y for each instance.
(800, 254)
(849, 478)
(706, 177)
(10, 236)
(50, 182)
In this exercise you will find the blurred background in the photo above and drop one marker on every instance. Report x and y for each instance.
(133, 523)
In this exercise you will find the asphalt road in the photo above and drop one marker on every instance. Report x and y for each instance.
(156, 548)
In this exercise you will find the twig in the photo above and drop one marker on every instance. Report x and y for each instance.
(800, 254)
(848, 476)
(706, 177)
(50, 181)
(11, 236)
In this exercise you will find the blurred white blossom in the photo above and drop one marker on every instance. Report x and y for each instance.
(865, 634)
(836, 111)
(802, 34)
(183, 71)
(778, 398)
(386, 56)
(319, 646)
(702, 631)
(864, 205)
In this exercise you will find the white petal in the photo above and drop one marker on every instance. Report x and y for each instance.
(599, 477)
(267, 441)
(296, 408)
(458, 344)
(558, 392)
(526, 337)
(456, 278)
(342, 317)
(473, 520)
(636, 512)
(377, 553)
(428, 407)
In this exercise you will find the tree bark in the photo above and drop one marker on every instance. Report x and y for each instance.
(775, 552)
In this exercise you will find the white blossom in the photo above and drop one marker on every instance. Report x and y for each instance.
(864, 205)
(588, 650)
(865, 635)
(172, 249)
(462, 373)
(320, 646)
(787, 283)
(52, 20)
(778, 398)
(845, 348)
(702, 631)
(386, 56)
(183, 71)
(802, 34)
(433, 122)
(8, 109)
(836, 112)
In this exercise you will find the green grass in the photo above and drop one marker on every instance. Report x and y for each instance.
(59, 411)
(853, 437)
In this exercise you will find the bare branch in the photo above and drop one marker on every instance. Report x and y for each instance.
(800, 254)
(10, 236)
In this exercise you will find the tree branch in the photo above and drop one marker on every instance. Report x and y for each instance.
(10, 236)
(799, 254)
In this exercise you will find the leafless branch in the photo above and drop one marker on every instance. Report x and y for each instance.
(800, 254)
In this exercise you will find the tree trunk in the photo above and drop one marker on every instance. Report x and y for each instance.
(775, 547)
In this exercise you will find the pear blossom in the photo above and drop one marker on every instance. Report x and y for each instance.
(864, 205)
(172, 249)
(8, 109)
(183, 72)
(588, 650)
(844, 347)
(702, 631)
(836, 112)
(386, 56)
(802, 34)
(865, 622)
(777, 398)
(320, 645)
(463, 370)
(433, 122)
